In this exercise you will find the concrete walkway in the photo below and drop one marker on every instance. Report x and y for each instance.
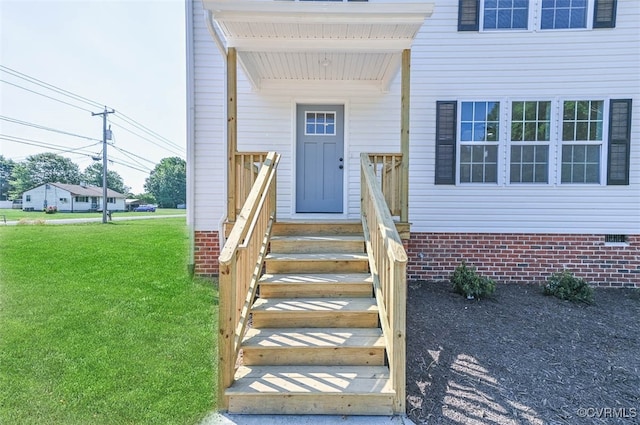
(228, 419)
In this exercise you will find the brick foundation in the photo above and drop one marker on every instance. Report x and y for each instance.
(506, 258)
(528, 258)
(206, 253)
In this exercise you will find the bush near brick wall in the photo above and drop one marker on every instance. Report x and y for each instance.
(206, 253)
(525, 258)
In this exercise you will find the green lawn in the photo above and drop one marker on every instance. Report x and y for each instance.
(16, 215)
(101, 324)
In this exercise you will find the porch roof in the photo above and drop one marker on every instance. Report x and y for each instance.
(358, 44)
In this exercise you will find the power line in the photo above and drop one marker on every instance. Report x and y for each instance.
(44, 95)
(146, 138)
(41, 127)
(41, 144)
(51, 87)
(169, 145)
(131, 154)
(139, 126)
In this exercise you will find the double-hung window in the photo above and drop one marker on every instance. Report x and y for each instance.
(582, 130)
(562, 14)
(479, 136)
(529, 141)
(505, 14)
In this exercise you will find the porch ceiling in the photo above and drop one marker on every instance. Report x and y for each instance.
(358, 44)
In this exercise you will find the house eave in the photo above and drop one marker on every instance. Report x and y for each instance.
(276, 40)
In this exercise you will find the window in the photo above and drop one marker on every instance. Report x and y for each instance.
(28, 198)
(63, 200)
(111, 200)
(530, 135)
(82, 199)
(479, 134)
(582, 123)
(537, 14)
(505, 14)
(558, 14)
(320, 123)
(533, 142)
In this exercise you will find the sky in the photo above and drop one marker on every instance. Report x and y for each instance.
(128, 55)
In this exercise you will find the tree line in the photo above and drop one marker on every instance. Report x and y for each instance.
(166, 185)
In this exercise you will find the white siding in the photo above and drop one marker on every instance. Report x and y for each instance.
(209, 145)
(583, 64)
(446, 65)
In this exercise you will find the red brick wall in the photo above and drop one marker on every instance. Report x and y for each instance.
(530, 258)
(206, 253)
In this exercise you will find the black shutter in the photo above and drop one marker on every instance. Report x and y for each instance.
(619, 142)
(446, 116)
(604, 14)
(468, 15)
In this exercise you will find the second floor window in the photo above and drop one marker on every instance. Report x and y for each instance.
(562, 14)
(511, 14)
(490, 15)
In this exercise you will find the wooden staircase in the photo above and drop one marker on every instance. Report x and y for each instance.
(315, 345)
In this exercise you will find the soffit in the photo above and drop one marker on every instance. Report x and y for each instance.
(285, 41)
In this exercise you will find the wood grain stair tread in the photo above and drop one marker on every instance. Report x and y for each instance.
(329, 256)
(319, 379)
(319, 238)
(316, 278)
(314, 338)
(313, 305)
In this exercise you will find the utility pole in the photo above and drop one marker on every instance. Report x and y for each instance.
(104, 159)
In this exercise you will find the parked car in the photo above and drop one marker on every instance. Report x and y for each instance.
(145, 208)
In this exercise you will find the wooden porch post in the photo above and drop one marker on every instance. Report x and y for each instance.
(404, 133)
(232, 131)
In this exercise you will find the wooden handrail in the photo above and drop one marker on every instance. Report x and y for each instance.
(241, 262)
(388, 263)
(388, 168)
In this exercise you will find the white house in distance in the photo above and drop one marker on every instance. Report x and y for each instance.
(71, 198)
(523, 135)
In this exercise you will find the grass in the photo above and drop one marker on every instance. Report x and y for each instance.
(16, 215)
(101, 324)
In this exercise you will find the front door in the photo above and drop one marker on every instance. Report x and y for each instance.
(320, 158)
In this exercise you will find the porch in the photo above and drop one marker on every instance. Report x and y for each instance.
(312, 307)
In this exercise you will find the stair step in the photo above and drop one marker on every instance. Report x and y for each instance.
(337, 390)
(317, 243)
(315, 312)
(304, 346)
(354, 262)
(338, 227)
(316, 285)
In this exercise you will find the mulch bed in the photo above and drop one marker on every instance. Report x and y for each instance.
(519, 357)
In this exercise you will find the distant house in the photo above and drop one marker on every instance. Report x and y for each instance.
(71, 198)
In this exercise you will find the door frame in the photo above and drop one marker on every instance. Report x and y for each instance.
(294, 157)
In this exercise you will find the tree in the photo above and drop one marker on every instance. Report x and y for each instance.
(40, 169)
(168, 182)
(6, 167)
(93, 175)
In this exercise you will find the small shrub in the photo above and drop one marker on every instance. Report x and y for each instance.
(566, 286)
(468, 282)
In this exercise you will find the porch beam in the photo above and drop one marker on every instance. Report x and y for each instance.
(404, 133)
(232, 131)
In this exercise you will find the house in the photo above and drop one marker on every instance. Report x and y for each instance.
(71, 198)
(510, 130)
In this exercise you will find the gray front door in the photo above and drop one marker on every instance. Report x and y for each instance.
(320, 158)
